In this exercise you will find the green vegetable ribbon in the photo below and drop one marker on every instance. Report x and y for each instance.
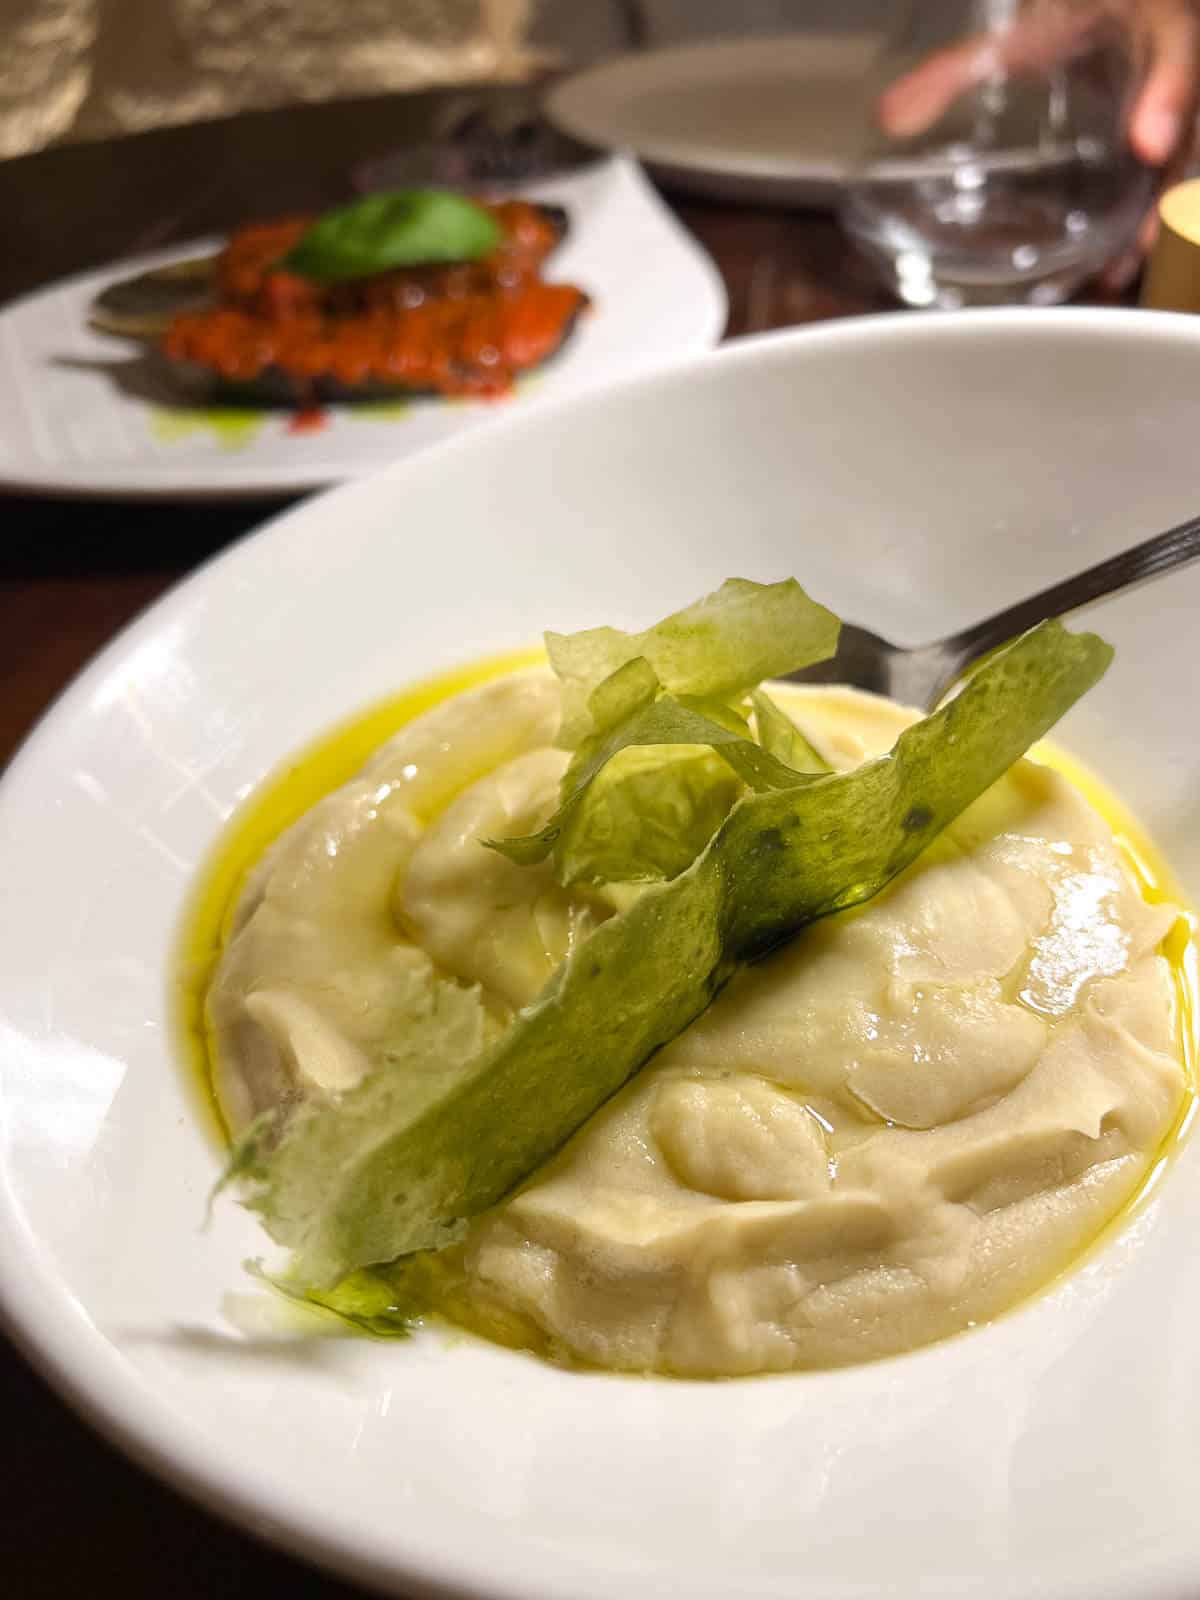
(403, 228)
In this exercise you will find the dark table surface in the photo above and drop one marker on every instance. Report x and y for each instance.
(78, 1518)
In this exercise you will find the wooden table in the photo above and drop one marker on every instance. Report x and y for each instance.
(77, 1518)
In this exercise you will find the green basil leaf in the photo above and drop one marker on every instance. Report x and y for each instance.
(404, 228)
(647, 817)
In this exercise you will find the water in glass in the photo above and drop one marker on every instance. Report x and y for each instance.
(999, 170)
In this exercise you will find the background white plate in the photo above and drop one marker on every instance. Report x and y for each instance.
(772, 120)
(916, 471)
(78, 413)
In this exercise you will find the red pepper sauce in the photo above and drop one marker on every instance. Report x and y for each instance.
(310, 420)
(464, 328)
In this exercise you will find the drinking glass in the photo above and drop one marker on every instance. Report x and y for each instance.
(998, 168)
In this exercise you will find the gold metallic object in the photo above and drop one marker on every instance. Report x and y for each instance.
(1172, 278)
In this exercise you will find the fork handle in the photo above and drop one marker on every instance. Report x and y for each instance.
(1165, 551)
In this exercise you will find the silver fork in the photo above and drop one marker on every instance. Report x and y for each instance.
(920, 676)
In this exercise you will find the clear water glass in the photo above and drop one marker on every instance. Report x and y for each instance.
(998, 169)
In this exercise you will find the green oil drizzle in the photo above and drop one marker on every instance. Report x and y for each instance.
(377, 410)
(233, 426)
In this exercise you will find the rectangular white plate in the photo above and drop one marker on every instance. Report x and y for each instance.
(83, 413)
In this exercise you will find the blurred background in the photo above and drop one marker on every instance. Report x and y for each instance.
(90, 69)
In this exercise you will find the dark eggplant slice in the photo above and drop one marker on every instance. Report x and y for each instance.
(277, 390)
(141, 307)
(558, 218)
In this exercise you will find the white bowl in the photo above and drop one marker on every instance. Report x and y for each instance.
(915, 472)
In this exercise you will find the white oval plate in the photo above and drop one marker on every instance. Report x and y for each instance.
(915, 472)
(776, 121)
(82, 413)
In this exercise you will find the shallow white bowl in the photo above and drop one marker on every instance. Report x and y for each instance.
(915, 472)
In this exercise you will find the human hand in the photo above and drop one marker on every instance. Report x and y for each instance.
(1166, 39)
(1162, 123)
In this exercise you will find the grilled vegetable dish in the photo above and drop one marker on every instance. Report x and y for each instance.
(410, 292)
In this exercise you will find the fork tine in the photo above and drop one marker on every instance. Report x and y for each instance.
(862, 659)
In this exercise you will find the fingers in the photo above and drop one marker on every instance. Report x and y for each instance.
(1148, 232)
(1119, 274)
(1166, 106)
(921, 97)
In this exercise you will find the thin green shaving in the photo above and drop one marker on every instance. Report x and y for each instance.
(665, 721)
(316, 1160)
(648, 816)
(673, 685)
(384, 1173)
(780, 737)
(718, 648)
